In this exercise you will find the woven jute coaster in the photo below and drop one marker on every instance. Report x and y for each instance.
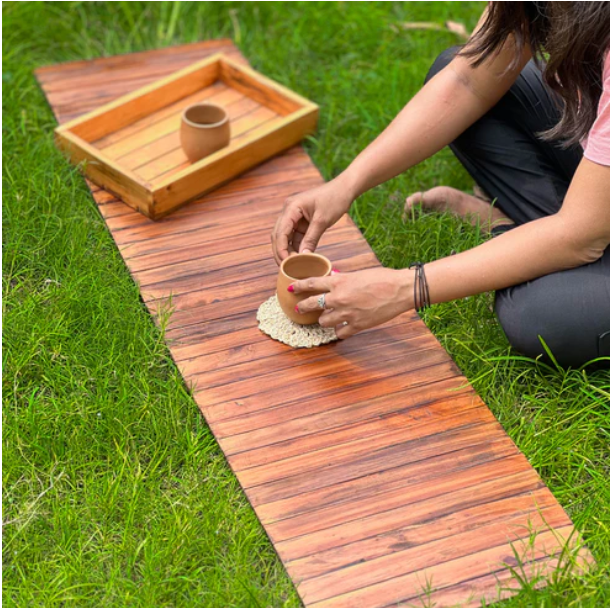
(274, 323)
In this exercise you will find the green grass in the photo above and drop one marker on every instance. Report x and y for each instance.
(115, 492)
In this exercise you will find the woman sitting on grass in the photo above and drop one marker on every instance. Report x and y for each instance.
(535, 138)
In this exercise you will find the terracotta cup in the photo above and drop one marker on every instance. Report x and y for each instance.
(294, 268)
(204, 129)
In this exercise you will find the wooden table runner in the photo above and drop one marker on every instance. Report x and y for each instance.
(378, 473)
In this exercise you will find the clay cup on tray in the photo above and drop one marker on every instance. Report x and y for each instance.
(204, 129)
(294, 268)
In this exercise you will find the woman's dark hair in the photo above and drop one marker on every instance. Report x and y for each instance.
(573, 39)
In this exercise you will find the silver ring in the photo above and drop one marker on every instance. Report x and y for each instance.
(321, 301)
(344, 323)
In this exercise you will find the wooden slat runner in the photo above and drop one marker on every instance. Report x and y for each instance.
(379, 475)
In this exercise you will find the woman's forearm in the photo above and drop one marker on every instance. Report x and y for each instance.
(576, 235)
(521, 254)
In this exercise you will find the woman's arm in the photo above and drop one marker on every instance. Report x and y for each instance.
(443, 109)
(576, 235)
(449, 103)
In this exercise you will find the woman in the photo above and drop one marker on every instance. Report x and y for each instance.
(536, 142)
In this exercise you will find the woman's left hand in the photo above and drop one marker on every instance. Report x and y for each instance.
(358, 300)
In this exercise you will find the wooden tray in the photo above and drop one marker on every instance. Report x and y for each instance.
(131, 146)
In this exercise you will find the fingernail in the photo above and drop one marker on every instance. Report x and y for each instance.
(297, 309)
(306, 251)
(291, 288)
(334, 270)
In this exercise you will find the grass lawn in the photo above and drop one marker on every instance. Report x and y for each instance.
(115, 492)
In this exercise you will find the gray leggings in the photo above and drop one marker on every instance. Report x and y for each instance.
(529, 178)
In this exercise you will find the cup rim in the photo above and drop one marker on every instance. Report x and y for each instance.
(326, 260)
(210, 125)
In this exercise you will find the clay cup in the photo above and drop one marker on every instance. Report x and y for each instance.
(294, 268)
(204, 129)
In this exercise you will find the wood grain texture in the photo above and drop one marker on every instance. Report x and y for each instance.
(136, 138)
(378, 473)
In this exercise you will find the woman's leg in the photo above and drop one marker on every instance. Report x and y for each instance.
(525, 176)
(477, 209)
(568, 309)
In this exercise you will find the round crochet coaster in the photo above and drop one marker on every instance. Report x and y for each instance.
(274, 323)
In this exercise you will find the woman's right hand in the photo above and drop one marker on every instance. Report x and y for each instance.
(306, 216)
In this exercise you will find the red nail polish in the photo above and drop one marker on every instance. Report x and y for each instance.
(297, 309)
(291, 288)
(335, 270)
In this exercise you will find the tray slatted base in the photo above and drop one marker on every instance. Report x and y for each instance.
(150, 147)
(377, 472)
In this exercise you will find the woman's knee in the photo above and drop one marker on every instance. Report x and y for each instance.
(536, 312)
(520, 322)
(441, 62)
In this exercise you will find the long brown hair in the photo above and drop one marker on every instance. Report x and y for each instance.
(569, 40)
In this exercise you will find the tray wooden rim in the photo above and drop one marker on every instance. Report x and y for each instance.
(163, 197)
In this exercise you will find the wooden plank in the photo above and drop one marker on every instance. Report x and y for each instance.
(224, 287)
(315, 380)
(353, 397)
(192, 265)
(67, 99)
(286, 182)
(310, 367)
(428, 470)
(235, 349)
(280, 360)
(345, 446)
(188, 341)
(455, 489)
(199, 229)
(463, 550)
(419, 504)
(191, 334)
(433, 536)
(500, 584)
(387, 457)
(116, 83)
(397, 589)
(72, 73)
(148, 232)
(201, 306)
(265, 195)
(371, 463)
(413, 408)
